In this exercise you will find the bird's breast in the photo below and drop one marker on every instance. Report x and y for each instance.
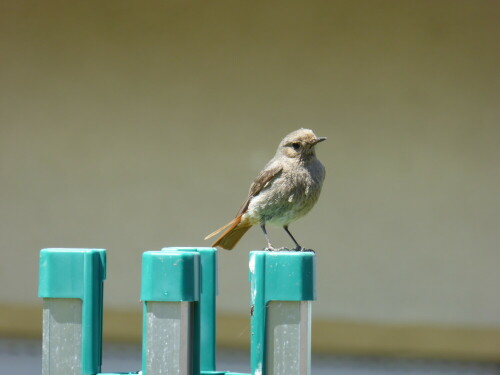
(288, 197)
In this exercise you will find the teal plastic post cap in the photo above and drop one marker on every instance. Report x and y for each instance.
(208, 270)
(66, 273)
(170, 276)
(287, 276)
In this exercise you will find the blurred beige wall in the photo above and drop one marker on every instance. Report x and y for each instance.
(135, 125)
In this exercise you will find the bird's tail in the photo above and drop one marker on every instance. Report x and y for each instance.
(235, 230)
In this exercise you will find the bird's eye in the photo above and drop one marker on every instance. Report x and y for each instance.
(296, 146)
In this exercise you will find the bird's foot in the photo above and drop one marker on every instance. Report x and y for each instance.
(284, 249)
(271, 248)
(298, 248)
(304, 250)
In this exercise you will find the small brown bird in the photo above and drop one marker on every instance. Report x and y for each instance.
(284, 191)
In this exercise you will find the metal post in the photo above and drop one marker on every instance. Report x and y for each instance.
(71, 285)
(62, 336)
(288, 337)
(170, 293)
(282, 286)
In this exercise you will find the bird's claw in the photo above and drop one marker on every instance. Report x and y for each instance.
(283, 249)
(270, 248)
(298, 249)
(304, 250)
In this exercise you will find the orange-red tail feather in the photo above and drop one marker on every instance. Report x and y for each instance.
(235, 230)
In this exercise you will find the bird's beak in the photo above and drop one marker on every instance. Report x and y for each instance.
(319, 139)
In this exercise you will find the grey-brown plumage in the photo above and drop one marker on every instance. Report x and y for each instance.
(284, 191)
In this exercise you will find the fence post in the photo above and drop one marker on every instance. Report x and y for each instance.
(71, 285)
(178, 289)
(170, 295)
(282, 288)
(207, 305)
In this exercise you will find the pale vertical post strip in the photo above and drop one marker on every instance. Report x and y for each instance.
(62, 336)
(288, 338)
(169, 338)
(305, 334)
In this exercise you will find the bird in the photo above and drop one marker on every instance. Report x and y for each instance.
(284, 191)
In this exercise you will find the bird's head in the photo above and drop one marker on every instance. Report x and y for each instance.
(299, 144)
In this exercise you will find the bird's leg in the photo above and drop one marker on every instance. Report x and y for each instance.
(298, 247)
(269, 246)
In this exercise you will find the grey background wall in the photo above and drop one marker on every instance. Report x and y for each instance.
(135, 125)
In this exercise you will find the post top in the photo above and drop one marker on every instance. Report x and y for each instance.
(170, 276)
(287, 276)
(63, 271)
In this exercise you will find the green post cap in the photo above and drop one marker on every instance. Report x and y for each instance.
(170, 276)
(78, 273)
(286, 276)
(276, 276)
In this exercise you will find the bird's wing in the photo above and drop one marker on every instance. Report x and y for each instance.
(265, 177)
